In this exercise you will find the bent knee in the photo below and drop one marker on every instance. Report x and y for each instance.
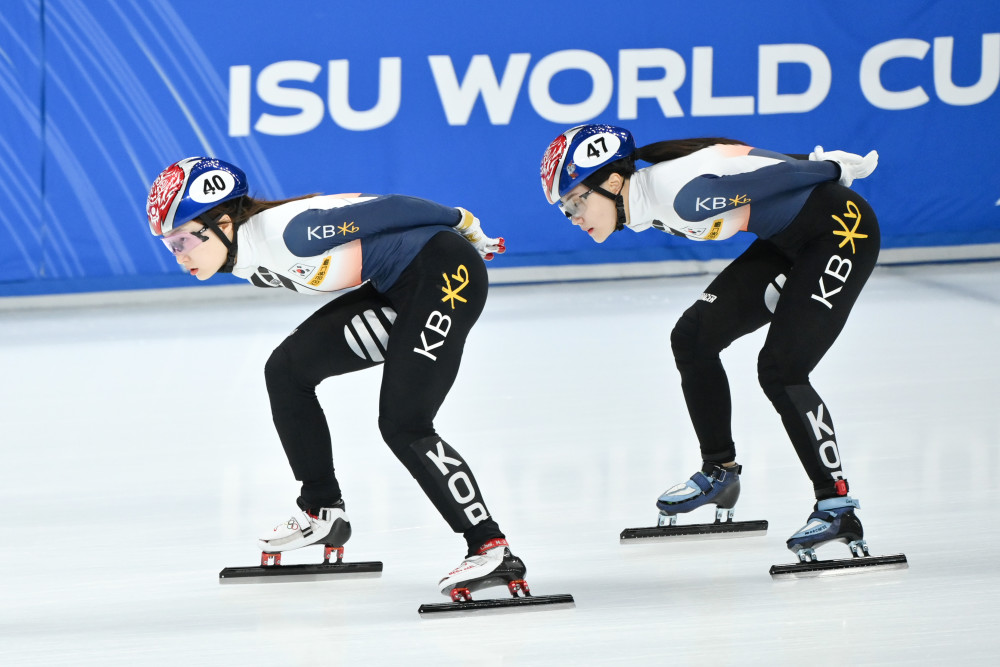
(277, 366)
(775, 373)
(692, 340)
(398, 432)
(282, 373)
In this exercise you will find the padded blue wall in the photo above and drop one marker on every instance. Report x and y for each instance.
(456, 101)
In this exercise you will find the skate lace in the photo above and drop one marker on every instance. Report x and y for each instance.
(471, 560)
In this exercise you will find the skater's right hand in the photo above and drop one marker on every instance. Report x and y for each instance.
(852, 166)
(470, 227)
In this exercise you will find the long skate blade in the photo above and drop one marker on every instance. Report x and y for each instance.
(306, 572)
(844, 566)
(697, 531)
(506, 604)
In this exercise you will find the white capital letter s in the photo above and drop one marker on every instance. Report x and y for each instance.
(270, 91)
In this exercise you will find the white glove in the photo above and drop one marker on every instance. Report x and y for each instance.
(851, 166)
(470, 228)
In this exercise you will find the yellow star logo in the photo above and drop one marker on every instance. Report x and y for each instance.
(851, 233)
(348, 228)
(452, 294)
(739, 200)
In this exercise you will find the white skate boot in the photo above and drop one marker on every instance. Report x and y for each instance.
(492, 565)
(326, 525)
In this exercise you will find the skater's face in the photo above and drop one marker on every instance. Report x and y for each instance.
(591, 211)
(198, 249)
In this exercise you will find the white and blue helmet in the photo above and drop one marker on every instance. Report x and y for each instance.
(579, 152)
(188, 188)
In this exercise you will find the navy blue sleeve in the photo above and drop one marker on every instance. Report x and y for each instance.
(703, 195)
(315, 231)
(772, 154)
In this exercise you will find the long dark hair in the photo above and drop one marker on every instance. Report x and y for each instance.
(239, 211)
(243, 208)
(661, 151)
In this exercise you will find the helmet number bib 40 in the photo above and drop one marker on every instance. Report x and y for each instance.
(212, 186)
(188, 188)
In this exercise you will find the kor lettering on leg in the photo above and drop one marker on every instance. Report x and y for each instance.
(459, 483)
(828, 451)
(837, 268)
(439, 324)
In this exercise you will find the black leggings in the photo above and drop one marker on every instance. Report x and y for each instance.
(417, 329)
(818, 266)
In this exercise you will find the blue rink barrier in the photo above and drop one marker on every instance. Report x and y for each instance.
(459, 104)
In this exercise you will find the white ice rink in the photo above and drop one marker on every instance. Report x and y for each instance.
(139, 459)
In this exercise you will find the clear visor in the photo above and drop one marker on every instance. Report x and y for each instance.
(575, 206)
(181, 243)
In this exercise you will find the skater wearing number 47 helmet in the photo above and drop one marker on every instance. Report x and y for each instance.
(421, 285)
(817, 244)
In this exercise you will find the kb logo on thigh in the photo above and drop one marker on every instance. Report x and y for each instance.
(438, 324)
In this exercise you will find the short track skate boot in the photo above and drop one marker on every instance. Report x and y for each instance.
(712, 484)
(492, 565)
(326, 525)
(832, 521)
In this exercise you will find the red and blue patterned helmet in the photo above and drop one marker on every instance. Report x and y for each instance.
(188, 188)
(579, 152)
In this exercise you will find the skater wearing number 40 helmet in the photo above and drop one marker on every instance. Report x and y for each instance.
(817, 244)
(421, 286)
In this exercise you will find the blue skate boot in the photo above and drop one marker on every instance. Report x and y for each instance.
(833, 520)
(712, 484)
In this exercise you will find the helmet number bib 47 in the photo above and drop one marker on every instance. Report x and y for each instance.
(596, 149)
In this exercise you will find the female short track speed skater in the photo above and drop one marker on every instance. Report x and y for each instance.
(423, 285)
(817, 244)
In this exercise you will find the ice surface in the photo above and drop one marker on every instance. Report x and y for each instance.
(139, 459)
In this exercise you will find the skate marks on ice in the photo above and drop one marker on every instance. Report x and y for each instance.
(462, 602)
(861, 561)
(271, 570)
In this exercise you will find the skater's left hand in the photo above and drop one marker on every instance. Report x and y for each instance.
(470, 227)
(852, 166)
